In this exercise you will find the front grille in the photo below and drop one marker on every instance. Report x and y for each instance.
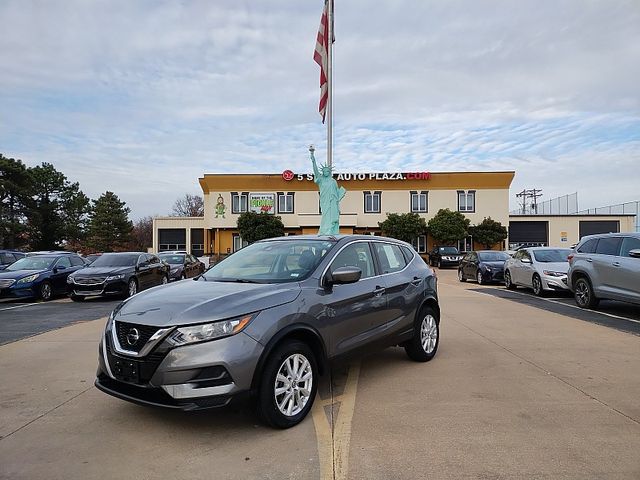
(90, 280)
(147, 366)
(144, 333)
(5, 283)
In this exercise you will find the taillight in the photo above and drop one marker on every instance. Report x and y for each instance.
(570, 258)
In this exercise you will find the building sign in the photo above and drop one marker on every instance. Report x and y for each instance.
(563, 236)
(262, 202)
(289, 175)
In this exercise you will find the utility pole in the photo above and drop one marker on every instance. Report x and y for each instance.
(529, 199)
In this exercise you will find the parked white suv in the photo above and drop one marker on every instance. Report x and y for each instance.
(605, 266)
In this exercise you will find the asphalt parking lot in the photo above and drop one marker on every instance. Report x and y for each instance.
(519, 389)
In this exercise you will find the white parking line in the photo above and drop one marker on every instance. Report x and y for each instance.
(18, 306)
(619, 317)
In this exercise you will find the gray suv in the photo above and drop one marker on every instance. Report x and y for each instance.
(605, 266)
(266, 321)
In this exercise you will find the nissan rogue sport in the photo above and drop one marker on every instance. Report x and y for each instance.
(266, 321)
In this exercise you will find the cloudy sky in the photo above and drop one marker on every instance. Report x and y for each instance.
(143, 97)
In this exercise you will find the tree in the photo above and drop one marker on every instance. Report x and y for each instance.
(15, 198)
(58, 211)
(488, 232)
(406, 226)
(258, 226)
(109, 227)
(447, 227)
(142, 234)
(189, 206)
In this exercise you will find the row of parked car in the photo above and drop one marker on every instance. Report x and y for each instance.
(47, 274)
(605, 266)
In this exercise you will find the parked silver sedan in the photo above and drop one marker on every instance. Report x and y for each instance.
(542, 269)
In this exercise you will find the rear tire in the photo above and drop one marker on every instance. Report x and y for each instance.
(426, 336)
(289, 384)
(461, 276)
(583, 294)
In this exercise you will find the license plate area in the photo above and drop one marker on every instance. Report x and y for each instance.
(126, 370)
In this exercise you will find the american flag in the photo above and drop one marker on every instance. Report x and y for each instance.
(321, 57)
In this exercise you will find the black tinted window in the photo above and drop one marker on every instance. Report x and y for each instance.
(629, 243)
(609, 245)
(76, 261)
(588, 247)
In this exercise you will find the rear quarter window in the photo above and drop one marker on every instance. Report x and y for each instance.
(588, 247)
(608, 246)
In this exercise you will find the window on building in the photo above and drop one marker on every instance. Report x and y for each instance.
(239, 202)
(466, 244)
(238, 242)
(420, 243)
(372, 202)
(285, 202)
(466, 201)
(419, 202)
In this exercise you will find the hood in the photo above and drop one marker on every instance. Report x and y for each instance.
(90, 271)
(191, 301)
(554, 266)
(17, 274)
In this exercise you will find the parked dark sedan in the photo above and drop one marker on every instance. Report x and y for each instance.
(266, 321)
(41, 276)
(182, 265)
(123, 274)
(444, 257)
(484, 266)
(7, 257)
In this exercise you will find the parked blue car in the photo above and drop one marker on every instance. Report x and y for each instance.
(39, 276)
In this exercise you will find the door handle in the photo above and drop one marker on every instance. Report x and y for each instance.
(616, 264)
(589, 260)
(416, 281)
(379, 291)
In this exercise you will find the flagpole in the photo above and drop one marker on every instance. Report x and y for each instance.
(330, 83)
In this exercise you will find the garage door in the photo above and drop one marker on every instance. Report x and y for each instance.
(592, 227)
(528, 233)
(172, 239)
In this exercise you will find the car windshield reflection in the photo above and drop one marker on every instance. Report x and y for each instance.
(276, 261)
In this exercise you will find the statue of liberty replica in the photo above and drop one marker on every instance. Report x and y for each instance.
(330, 196)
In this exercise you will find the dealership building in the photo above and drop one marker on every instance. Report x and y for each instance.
(370, 197)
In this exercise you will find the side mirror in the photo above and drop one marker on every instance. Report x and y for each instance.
(525, 260)
(58, 268)
(342, 275)
(635, 253)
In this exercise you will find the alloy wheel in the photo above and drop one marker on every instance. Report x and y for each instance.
(537, 285)
(480, 279)
(165, 280)
(582, 293)
(428, 333)
(45, 291)
(461, 276)
(133, 287)
(293, 385)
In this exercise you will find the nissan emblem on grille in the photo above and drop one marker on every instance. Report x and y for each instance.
(133, 336)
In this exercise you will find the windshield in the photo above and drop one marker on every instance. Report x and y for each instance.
(172, 259)
(449, 250)
(115, 260)
(32, 263)
(276, 261)
(493, 256)
(548, 256)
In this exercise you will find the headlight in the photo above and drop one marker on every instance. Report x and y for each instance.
(29, 279)
(488, 269)
(553, 274)
(209, 331)
(174, 269)
(115, 277)
(70, 279)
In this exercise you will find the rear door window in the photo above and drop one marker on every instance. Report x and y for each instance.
(390, 256)
(588, 247)
(609, 245)
(628, 244)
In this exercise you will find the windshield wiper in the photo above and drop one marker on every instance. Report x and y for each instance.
(235, 280)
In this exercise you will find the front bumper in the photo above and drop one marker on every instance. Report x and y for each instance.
(113, 287)
(493, 275)
(555, 283)
(191, 377)
(21, 292)
(449, 262)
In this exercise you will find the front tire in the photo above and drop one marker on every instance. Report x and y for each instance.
(461, 276)
(426, 336)
(508, 282)
(132, 288)
(583, 294)
(480, 278)
(45, 291)
(289, 385)
(536, 283)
